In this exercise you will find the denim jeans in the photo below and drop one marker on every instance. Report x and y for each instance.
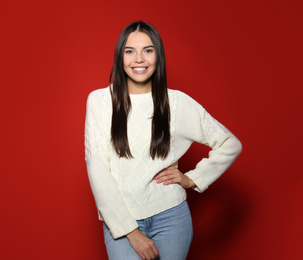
(170, 230)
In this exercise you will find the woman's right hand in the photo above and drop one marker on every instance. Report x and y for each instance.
(144, 246)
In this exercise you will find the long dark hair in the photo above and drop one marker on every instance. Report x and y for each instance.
(160, 139)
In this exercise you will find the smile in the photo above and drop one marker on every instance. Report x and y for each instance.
(140, 69)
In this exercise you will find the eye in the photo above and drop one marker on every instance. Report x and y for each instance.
(129, 51)
(149, 51)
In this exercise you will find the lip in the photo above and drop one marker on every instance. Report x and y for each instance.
(140, 71)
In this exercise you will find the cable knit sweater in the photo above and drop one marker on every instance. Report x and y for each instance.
(124, 189)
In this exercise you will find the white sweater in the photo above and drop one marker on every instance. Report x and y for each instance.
(124, 189)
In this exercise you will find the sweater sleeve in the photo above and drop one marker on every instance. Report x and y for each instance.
(110, 204)
(201, 127)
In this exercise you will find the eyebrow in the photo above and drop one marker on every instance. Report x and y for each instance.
(146, 47)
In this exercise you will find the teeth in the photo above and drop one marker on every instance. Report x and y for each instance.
(139, 69)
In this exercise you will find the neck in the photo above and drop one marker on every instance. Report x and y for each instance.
(139, 88)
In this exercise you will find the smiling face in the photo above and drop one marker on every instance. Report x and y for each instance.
(139, 61)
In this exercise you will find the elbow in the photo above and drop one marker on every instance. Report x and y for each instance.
(238, 146)
(233, 146)
(230, 147)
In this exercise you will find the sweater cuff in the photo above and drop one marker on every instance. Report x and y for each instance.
(124, 228)
(201, 185)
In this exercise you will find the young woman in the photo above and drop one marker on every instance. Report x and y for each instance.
(136, 131)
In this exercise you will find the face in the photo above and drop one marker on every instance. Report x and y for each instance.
(139, 62)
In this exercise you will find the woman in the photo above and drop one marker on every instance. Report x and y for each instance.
(136, 131)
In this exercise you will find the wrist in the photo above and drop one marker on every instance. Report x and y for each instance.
(191, 183)
(132, 233)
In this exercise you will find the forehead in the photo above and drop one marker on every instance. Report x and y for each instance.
(138, 39)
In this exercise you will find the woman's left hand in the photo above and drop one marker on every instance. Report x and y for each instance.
(173, 175)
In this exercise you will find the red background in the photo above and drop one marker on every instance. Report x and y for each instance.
(241, 59)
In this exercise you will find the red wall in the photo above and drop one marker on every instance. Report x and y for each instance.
(241, 59)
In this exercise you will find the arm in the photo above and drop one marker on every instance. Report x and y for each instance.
(108, 199)
(194, 124)
(225, 146)
(107, 196)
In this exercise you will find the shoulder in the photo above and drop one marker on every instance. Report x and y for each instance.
(99, 94)
(100, 100)
(182, 98)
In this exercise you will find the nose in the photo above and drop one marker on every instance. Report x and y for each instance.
(139, 58)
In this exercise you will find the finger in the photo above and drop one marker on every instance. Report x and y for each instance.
(155, 250)
(171, 181)
(165, 178)
(141, 256)
(175, 179)
(151, 254)
(167, 170)
(160, 174)
(147, 255)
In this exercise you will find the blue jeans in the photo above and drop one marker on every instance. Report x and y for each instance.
(170, 230)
